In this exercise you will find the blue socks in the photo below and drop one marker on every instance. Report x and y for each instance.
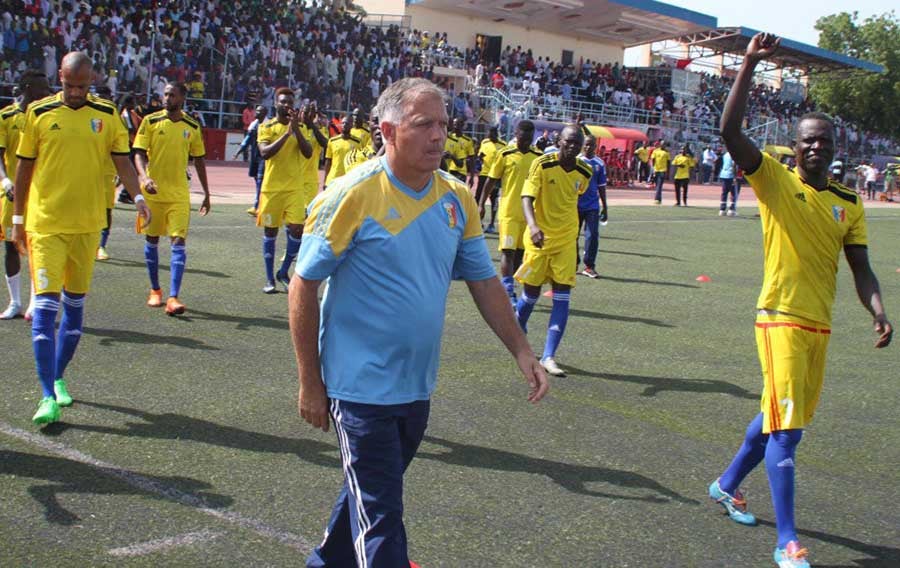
(524, 307)
(151, 257)
(70, 327)
(510, 284)
(179, 258)
(780, 451)
(293, 247)
(269, 257)
(104, 236)
(43, 340)
(559, 315)
(748, 456)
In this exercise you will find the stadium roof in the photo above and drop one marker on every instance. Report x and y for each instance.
(622, 22)
(791, 54)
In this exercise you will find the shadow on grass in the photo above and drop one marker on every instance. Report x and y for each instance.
(656, 385)
(69, 476)
(242, 323)
(169, 426)
(574, 478)
(611, 317)
(112, 336)
(135, 264)
(642, 281)
(881, 556)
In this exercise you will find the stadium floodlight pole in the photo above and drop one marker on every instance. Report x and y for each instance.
(152, 53)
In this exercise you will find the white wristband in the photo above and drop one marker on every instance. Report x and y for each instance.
(7, 184)
(138, 198)
(18, 219)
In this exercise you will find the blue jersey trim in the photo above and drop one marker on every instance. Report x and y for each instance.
(417, 195)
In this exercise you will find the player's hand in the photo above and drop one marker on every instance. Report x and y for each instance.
(604, 216)
(535, 375)
(294, 116)
(537, 236)
(762, 45)
(885, 331)
(148, 186)
(8, 187)
(481, 212)
(312, 403)
(19, 238)
(143, 210)
(205, 207)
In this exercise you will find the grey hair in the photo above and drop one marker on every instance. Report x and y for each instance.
(393, 101)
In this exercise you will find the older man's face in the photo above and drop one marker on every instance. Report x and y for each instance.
(418, 138)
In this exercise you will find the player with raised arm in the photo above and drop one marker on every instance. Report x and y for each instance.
(807, 219)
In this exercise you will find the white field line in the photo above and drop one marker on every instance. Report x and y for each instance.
(138, 481)
(160, 544)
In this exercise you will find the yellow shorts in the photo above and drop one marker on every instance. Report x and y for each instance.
(6, 218)
(512, 234)
(310, 191)
(166, 220)
(281, 207)
(542, 266)
(63, 261)
(792, 356)
(111, 204)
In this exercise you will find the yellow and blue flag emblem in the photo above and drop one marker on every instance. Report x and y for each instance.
(97, 125)
(452, 221)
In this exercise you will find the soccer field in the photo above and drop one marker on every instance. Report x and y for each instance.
(184, 447)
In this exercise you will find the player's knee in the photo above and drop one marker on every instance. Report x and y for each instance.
(787, 438)
(152, 240)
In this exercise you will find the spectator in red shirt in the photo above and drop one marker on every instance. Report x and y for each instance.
(497, 79)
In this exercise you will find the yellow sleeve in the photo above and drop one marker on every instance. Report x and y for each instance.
(858, 233)
(497, 167)
(198, 148)
(470, 209)
(119, 139)
(767, 178)
(3, 133)
(142, 138)
(532, 186)
(28, 141)
(264, 135)
(329, 153)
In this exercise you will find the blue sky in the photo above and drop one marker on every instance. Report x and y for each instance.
(792, 19)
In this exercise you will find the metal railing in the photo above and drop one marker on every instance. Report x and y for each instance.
(388, 20)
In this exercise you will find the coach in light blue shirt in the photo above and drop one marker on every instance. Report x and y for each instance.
(389, 237)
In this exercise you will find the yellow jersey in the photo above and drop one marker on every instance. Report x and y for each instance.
(489, 149)
(358, 156)
(337, 150)
(555, 192)
(71, 149)
(284, 170)
(660, 160)
(512, 167)
(12, 121)
(461, 147)
(643, 154)
(683, 165)
(364, 135)
(804, 231)
(310, 166)
(169, 144)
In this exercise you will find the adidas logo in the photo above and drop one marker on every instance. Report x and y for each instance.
(552, 182)
(54, 126)
(40, 337)
(392, 214)
(801, 196)
(161, 132)
(788, 462)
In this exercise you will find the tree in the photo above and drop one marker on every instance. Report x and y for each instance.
(870, 100)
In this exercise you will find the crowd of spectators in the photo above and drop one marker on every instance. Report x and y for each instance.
(242, 51)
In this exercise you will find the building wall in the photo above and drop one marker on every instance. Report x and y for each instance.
(461, 31)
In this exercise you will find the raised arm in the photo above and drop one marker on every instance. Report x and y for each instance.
(869, 292)
(743, 150)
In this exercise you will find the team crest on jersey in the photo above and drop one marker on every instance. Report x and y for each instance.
(97, 125)
(840, 215)
(186, 134)
(577, 185)
(450, 208)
